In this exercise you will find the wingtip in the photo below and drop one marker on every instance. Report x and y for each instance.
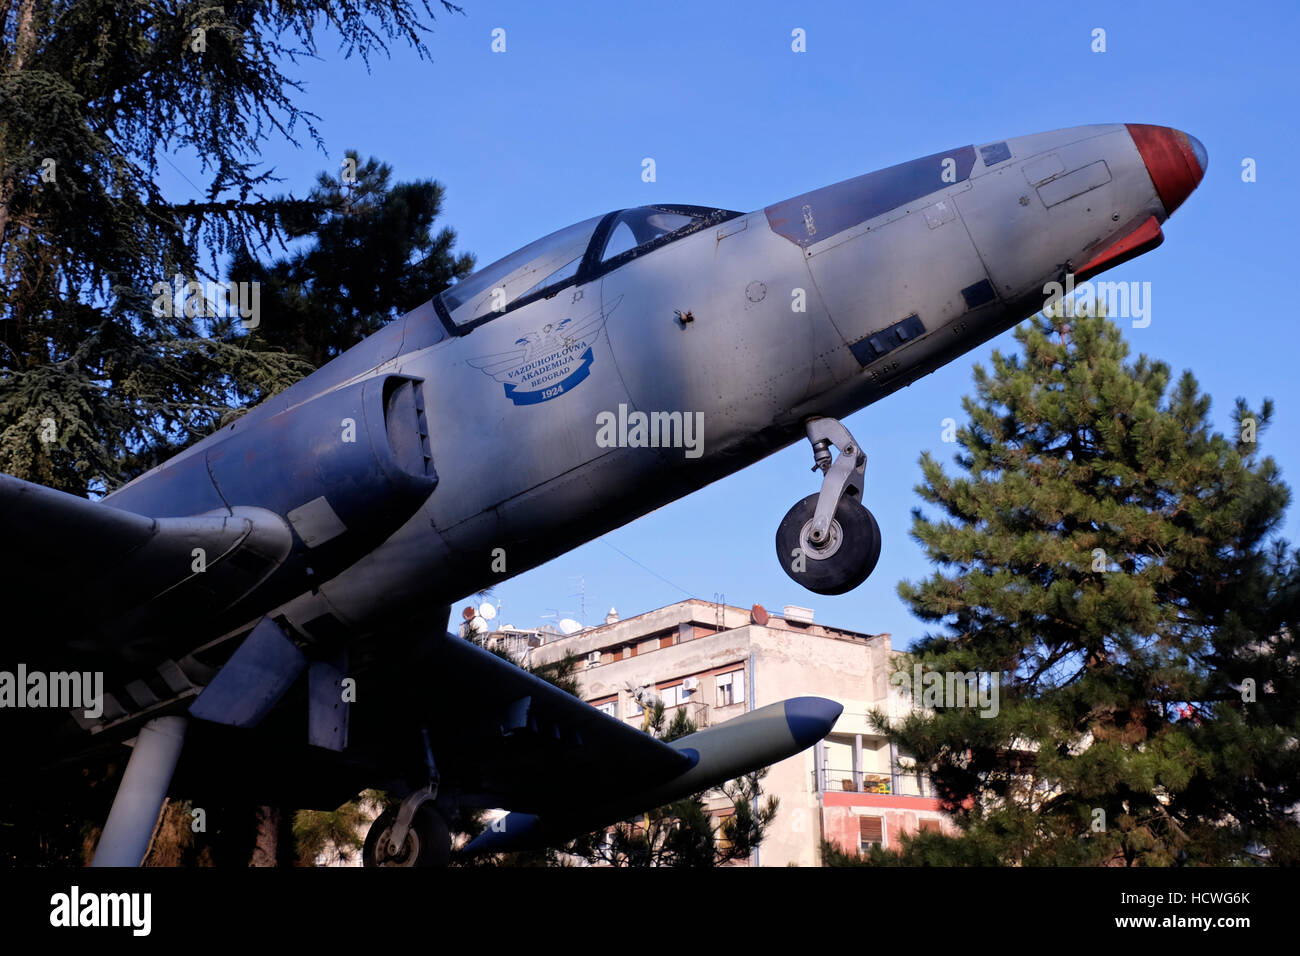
(811, 718)
(506, 833)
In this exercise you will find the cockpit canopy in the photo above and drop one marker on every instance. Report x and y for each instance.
(577, 253)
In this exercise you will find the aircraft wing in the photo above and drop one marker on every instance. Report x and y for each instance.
(503, 737)
(507, 738)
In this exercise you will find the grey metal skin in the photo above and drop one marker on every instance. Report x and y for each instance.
(416, 468)
(531, 479)
(729, 750)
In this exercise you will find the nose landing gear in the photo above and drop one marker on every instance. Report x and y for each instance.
(415, 833)
(426, 840)
(829, 542)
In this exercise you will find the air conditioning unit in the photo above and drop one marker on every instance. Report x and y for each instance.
(799, 615)
(690, 684)
(593, 658)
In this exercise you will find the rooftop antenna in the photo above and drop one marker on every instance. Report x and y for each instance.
(581, 595)
(720, 611)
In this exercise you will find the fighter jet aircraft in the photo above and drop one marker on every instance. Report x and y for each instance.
(273, 601)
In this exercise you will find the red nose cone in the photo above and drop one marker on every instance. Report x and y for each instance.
(1175, 161)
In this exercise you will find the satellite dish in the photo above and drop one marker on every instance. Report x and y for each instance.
(758, 614)
(486, 611)
(477, 625)
(570, 626)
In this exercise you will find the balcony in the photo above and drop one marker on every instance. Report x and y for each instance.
(902, 784)
(696, 710)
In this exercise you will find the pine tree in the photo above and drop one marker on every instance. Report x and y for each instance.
(96, 383)
(1113, 563)
(337, 835)
(372, 256)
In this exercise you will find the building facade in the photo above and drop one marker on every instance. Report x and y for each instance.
(717, 662)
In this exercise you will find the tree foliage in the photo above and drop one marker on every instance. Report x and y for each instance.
(1113, 561)
(372, 256)
(95, 385)
(336, 836)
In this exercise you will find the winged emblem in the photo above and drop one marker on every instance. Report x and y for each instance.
(546, 363)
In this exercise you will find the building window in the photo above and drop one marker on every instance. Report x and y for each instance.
(634, 708)
(671, 696)
(871, 832)
(731, 688)
(609, 707)
(930, 826)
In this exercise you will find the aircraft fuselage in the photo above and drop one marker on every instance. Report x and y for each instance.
(450, 456)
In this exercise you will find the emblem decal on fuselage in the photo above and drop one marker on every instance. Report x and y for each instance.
(549, 362)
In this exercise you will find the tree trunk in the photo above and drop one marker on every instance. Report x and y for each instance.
(266, 846)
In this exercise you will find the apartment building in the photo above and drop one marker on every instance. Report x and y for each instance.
(716, 662)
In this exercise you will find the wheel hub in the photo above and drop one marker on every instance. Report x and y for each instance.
(408, 854)
(825, 549)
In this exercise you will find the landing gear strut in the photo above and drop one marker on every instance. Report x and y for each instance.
(139, 799)
(414, 834)
(829, 542)
(427, 841)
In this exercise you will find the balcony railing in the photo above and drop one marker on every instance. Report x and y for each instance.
(902, 784)
(696, 710)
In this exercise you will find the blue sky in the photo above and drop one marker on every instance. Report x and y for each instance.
(554, 130)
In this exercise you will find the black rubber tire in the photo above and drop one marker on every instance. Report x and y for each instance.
(849, 566)
(428, 843)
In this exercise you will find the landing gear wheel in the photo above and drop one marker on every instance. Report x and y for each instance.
(843, 561)
(428, 842)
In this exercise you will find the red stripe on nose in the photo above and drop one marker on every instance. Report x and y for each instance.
(1175, 161)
